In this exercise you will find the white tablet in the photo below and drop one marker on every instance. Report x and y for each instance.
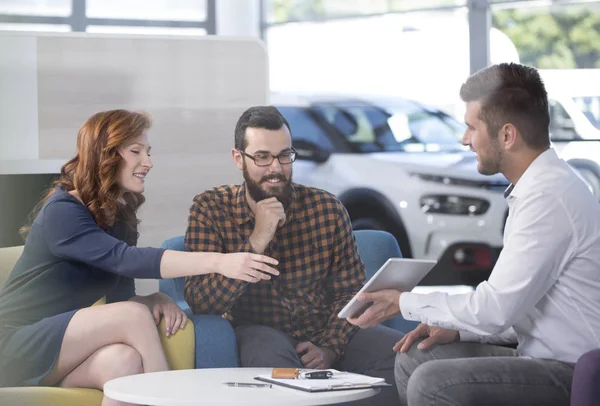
(397, 273)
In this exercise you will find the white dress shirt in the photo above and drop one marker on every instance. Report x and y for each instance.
(546, 282)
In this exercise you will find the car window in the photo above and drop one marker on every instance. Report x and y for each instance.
(411, 130)
(590, 105)
(561, 124)
(305, 127)
(456, 126)
(430, 128)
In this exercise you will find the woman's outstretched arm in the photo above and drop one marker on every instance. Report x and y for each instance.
(72, 234)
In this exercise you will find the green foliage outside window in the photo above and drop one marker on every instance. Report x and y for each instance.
(561, 39)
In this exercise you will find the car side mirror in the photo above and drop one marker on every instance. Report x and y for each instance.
(309, 151)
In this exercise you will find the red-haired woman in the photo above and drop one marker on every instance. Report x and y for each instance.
(80, 247)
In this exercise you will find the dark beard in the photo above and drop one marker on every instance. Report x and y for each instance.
(283, 194)
(493, 164)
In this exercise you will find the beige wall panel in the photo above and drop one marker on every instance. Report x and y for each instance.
(194, 89)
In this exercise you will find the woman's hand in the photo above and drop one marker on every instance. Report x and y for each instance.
(161, 305)
(247, 267)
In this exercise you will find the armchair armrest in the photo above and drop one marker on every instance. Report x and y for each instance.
(216, 345)
(585, 390)
(180, 347)
(49, 396)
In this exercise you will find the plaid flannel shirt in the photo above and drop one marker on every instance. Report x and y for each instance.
(320, 269)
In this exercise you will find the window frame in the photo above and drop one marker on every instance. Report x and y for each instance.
(79, 21)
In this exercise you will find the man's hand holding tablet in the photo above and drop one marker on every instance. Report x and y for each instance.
(385, 305)
(379, 298)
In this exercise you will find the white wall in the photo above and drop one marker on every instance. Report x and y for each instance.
(18, 100)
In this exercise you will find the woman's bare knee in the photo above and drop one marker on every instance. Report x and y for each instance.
(110, 362)
(120, 360)
(134, 312)
(136, 319)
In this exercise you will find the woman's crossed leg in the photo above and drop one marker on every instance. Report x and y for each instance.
(106, 342)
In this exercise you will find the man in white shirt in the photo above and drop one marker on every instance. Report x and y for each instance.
(544, 291)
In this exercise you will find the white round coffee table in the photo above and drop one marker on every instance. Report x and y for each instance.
(206, 387)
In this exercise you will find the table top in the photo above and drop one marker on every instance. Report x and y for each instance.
(206, 387)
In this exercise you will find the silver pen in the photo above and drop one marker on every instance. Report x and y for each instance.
(247, 385)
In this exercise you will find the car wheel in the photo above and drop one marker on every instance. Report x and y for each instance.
(591, 178)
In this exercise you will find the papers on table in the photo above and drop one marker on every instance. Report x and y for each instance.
(339, 381)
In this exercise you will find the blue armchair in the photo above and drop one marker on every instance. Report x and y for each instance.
(375, 247)
(585, 390)
(216, 346)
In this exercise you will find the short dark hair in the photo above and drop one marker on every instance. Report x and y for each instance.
(511, 93)
(267, 117)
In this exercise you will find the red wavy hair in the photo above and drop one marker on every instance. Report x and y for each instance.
(94, 170)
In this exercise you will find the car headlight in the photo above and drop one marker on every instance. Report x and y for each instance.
(458, 205)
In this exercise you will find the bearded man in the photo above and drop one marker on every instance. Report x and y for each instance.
(289, 320)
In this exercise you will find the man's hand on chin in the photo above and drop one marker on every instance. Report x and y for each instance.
(385, 305)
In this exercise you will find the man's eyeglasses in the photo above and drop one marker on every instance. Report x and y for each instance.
(266, 159)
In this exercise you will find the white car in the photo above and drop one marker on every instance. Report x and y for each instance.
(575, 139)
(398, 166)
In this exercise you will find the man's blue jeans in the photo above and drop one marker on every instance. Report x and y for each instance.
(471, 374)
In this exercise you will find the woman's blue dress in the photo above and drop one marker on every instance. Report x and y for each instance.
(68, 263)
